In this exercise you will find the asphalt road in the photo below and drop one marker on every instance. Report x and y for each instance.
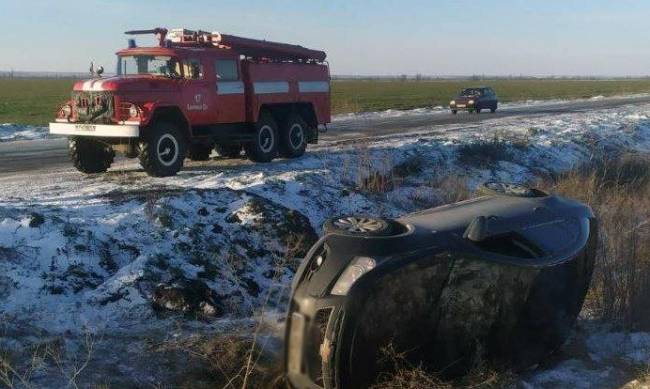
(51, 154)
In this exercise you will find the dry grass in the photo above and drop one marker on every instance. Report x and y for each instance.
(619, 193)
(485, 153)
(408, 376)
(16, 371)
(642, 381)
(233, 361)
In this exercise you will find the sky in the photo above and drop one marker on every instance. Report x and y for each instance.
(362, 37)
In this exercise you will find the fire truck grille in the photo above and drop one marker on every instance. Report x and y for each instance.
(93, 107)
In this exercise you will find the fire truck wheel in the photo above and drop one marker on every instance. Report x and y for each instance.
(228, 151)
(200, 152)
(162, 150)
(90, 156)
(293, 137)
(264, 146)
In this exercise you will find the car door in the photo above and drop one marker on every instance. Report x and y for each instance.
(495, 99)
(230, 96)
(198, 98)
(490, 98)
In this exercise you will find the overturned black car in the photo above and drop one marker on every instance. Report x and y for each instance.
(504, 275)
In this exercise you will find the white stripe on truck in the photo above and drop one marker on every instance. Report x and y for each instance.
(93, 85)
(313, 86)
(230, 88)
(262, 88)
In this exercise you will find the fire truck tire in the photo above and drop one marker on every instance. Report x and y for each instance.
(200, 152)
(162, 150)
(90, 156)
(264, 146)
(293, 137)
(228, 151)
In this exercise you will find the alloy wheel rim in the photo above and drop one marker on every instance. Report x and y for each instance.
(358, 224)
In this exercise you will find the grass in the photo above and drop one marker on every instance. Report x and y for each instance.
(35, 101)
(360, 96)
(618, 191)
(484, 153)
(26, 101)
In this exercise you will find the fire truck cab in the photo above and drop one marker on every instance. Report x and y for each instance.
(195, 92)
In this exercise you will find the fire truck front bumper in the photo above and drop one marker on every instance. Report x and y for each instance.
(96, 130)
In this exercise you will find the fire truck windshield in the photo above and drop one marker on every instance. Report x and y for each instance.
(148, 64)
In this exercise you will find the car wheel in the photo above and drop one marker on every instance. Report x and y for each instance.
(293, 137)
(90, 156)
(477, 110)
(162, 150)
(493, 109)
(264, 146)
(358, 226)
(200, 152)
(508, 189)
(228, 151)
(454, 112)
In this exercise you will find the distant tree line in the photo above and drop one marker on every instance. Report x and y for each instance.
(402, 77)
(11, 74)
(421, 77)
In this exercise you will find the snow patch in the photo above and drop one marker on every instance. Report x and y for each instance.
(97, 251)
(13, 132)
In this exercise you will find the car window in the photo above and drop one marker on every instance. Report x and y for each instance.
(226, 70)
(192, 69)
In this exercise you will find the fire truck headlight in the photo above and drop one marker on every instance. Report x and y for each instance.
(134, 111)
(471, 102)
(357, 268)
(66, 111)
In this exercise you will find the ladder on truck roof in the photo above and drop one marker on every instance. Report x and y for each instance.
(248, 47)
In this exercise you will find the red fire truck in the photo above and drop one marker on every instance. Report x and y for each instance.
(195, 92)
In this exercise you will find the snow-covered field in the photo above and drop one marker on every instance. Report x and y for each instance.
(511, 106)
(12, 132)
(131, 258)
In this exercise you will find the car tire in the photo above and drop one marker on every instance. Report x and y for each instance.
(228, 151)
(477, 110)
(199, 152)
(493, 109)
(90, 156)
(494, 188)
(264, 146)
(454, 112)
(162, 150)
(293, 137)
(358, 226)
